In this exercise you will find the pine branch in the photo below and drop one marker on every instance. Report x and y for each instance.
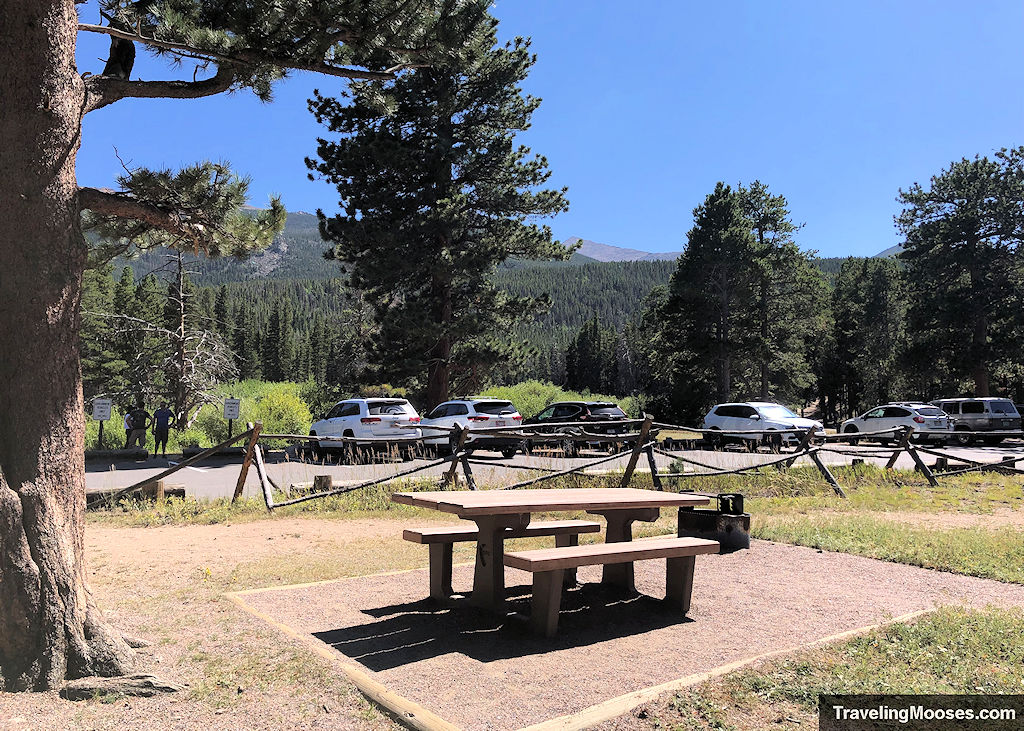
(124, 206)
(104, 90)
(242, 58)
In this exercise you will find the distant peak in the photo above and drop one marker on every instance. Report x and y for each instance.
(607, 252)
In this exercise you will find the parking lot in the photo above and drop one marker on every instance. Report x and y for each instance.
(216, 477)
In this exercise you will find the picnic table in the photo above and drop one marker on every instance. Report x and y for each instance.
(497, 513)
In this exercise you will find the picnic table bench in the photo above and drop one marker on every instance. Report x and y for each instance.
(547, 565)
(441, 540)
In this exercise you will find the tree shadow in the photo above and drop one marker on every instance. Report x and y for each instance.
(410, 632)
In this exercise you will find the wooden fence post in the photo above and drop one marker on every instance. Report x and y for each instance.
(470, 482)
(261, 472)
(922, 466)
(450, 476)
(247, 460)
(904, 445)
(805, 443)
(813, 454)
(654, 468)
(641, 442)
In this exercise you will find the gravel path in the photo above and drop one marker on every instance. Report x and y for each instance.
(480, 675)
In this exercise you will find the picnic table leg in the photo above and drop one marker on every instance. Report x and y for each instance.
(568, 539)
(441, 571)
(679, 582)
(620, 528)
(546, 601)
(489, 575)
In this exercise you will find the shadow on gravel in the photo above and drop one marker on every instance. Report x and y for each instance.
(415, 631)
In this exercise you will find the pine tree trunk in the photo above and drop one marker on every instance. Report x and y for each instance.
(439, 370)
(50, 628)
(979, 351)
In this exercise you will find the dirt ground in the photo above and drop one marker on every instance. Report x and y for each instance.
(167, 584)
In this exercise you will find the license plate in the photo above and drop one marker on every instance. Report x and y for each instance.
(1006, 424)
(500, 422)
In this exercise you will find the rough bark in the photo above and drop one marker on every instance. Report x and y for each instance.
(50, 629)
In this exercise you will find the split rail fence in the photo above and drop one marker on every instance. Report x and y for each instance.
(632, 444)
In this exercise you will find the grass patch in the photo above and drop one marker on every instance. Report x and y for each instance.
(991, 554)
(953, 650)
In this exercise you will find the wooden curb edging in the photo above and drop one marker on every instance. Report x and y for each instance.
(614, 707)
(403, 710)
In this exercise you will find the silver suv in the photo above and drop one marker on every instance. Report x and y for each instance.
(980, 414)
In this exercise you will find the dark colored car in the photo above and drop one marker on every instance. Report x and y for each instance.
(577, 418)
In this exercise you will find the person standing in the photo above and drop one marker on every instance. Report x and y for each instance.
(127, 428)
(163, 418)
(140, 423)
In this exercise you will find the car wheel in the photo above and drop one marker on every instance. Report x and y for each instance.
(773, 442)
(526, 447)
(714, 439)
(312, 447)
(962, 438)
(509, 453)
(852, 430)
(569, 446)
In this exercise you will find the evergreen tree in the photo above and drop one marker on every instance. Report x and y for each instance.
(789, 299)
(222, 313)
(860, 364)
(102, 365)
(434, 194)
(709, 306)
(961, 256)
(53, 629)
(246, 344)
(279, 344)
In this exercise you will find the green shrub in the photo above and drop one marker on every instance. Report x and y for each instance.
(531, 397)
(282, 412)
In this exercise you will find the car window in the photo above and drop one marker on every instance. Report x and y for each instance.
(457, 409)
(607, 410)
(950, 407)
(972, 407)
(726, 411)
(349, 409)
(874, 414)
(496, 408)
(566, 410)
(930, 411)
(895, 412)
(775, 411)
(335, 411)
(1002, 407)
(386, 407)
(546, 413)
(438, 412)
(746, 412)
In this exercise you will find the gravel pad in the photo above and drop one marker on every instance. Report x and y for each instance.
(481, 673)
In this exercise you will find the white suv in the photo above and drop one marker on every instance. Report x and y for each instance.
(470, 413)
(927, 421)
(757, 416)
(368, 417)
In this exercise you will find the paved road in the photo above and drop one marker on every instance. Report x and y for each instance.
(216, 478)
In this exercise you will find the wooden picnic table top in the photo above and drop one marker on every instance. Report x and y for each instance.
(469, 503)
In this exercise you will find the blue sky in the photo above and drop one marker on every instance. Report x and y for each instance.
(648, 104)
